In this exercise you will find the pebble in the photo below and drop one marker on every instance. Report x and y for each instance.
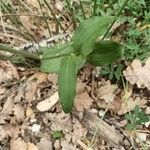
(147, 111)
(141, 137)
(36, 128)
(101, 113)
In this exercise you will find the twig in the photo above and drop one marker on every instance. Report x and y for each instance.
(37, 15)
(44, 16)
(94, 8)
(72, 13)
(82, 9)
(119, 12)
(2, 22)
(53, 14)
(22, 53)
(13, 36)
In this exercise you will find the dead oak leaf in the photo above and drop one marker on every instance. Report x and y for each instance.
(78, 131)
(138, 74)
(45, 144)
(83, 101)
(18, 144)
(19, 112)
(2, 90)
(130, 104)
(32, 85)
(3, 133)
(60, 121)
(106, 91)
(31, 146)
(30, 113)
(8, 106)
(7, 72)
(12, 131)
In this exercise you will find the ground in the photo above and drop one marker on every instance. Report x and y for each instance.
(105, 111)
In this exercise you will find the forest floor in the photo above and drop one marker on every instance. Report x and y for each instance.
(107, 114)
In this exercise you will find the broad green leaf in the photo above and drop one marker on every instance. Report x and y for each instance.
(52, 65)
(67, 80)
(58, 50)
(88, 31)
(80, 62)
(105, 52)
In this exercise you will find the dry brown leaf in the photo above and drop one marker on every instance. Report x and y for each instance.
(12, 130)
(68, 146)
(59, 6)
(60, 121)
(30, 113)
(18, 144)
(7, 72)
(53, 77)
(8, 106)
(27, 22)
(106, 91)
(33, 2)
(2, 90)
(32, 85)
(130, 104)
(138, 74)
(3, 133)
(78, 131)
(45, 144)
(83, 101)
(31, 146)
(19, 112)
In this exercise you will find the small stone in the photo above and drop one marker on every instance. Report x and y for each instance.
(101, 113)
(141, 137)
(147, 111)
(147, 124)
(33, 120)
(36, 128)
(126, 142)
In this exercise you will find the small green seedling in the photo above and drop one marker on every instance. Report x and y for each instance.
(57, 134)
(135, 118)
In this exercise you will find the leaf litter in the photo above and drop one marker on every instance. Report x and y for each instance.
(22, 91)
(23, 115)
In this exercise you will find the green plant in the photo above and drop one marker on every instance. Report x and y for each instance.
(134, 31)
(67, 59)
(135, 118)
(57, 134)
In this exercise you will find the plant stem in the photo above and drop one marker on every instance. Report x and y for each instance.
(94, 8)
(119, 12)
(56, 56)
(82, 9)
(44, 16)
(22, 53)
(72, 13)
(53, 14)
